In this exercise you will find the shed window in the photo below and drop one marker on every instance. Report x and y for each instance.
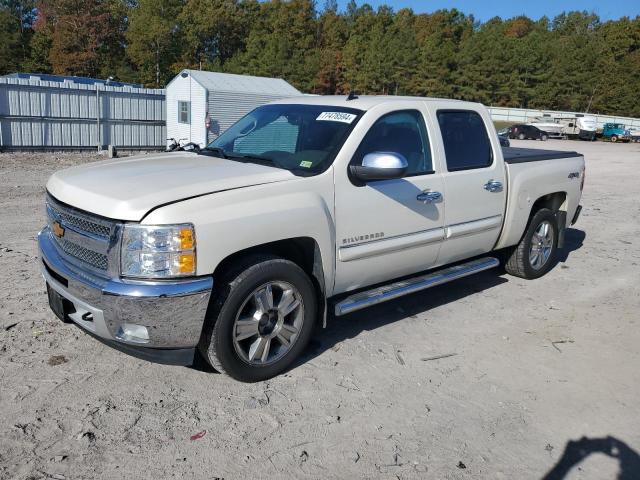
(184, 112)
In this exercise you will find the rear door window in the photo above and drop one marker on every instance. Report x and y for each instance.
(465, 138)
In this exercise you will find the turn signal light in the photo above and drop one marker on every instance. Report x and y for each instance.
(187, 263)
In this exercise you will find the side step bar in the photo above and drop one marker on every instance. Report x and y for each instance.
(388, 292)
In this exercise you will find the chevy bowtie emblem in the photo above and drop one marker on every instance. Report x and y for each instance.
(58, 230)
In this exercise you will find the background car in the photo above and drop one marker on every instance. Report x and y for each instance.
(503, 136)
(523, 132)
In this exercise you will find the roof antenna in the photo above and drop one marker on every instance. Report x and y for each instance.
(352, 95)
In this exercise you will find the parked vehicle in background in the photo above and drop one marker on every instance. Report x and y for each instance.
(503, 136)
(548, 125)
(581, 126)
(236, 252)
(616, 132)
(527, 132)
(635, 134)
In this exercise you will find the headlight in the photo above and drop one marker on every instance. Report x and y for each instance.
(158, 251)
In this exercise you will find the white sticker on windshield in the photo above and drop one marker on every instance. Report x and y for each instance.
(336, 117)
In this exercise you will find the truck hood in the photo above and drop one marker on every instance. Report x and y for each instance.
(126, 189)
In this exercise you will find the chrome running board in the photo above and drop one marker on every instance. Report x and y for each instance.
(388, 292)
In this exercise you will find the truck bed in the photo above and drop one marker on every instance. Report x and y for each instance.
(531, 174)
(523, 155)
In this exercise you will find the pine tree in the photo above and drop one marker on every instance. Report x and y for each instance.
(22, 14)
(282, 42)
(212, 31)
(153, 38)
(333, 33)
(10, 41)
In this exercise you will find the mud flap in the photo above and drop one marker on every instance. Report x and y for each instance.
(561, 223)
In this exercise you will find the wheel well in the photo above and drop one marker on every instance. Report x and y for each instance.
(303, 251)
(300, 251)
(553, 201)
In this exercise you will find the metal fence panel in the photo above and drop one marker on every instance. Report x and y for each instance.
(45, 114)
(523, 115)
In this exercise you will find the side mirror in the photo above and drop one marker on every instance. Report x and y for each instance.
(380, 166)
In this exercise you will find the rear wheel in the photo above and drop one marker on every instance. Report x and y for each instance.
(535, 255)
(544, 137)
(522, 136)
(262, 319)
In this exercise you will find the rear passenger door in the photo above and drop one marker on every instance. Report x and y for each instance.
(474, 183)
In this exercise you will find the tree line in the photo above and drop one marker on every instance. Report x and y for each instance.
(574, 61)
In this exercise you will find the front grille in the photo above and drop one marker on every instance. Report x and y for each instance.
(84, 224)
(95, 259)
(85, 239)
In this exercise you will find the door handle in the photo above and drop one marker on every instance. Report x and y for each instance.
(493, 186)
(429, 197)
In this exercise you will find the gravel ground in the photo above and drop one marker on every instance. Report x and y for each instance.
(540, 375)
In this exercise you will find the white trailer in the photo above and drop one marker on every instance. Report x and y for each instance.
(579, 126)
(201, 105)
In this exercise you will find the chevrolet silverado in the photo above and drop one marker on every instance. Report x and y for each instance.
(309, 205)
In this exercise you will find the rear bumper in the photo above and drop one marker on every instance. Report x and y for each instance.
(172, 312)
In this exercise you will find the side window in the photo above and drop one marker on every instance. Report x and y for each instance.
(184, 112)
(401, 132)
(466, 143)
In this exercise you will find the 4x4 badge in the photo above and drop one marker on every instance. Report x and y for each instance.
(58, 230)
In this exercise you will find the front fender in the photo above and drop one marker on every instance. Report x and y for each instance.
(231, 221)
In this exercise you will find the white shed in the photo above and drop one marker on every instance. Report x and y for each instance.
(201, 105)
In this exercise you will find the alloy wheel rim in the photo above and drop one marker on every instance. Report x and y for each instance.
(541, 245)
(268, 323)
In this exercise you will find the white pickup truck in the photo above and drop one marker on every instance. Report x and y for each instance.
(304, 207)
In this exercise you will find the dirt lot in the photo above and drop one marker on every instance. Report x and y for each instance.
(538, 365)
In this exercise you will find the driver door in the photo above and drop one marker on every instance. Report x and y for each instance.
(385, 228)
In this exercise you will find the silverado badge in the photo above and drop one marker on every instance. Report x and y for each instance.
(58, 230)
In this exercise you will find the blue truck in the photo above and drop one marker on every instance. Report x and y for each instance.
(616, 132)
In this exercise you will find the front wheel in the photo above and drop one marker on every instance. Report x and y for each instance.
(521, 136)
(614, 138)
(262, 319)
(544, 137)
(534, 256)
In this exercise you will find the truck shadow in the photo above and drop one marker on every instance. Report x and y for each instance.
(577, 451)
(352, 325)
(573, 240)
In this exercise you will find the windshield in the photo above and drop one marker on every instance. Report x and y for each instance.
(302, 138)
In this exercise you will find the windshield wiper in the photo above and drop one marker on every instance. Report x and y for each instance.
(257, 158)
(215, 150)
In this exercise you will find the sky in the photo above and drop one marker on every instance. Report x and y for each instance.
(484, 10)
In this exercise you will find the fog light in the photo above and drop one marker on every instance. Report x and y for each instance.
(129, 332)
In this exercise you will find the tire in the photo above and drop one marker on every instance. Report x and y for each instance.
(521, 260)
(614, 138)
(544, 138)
(241, 322)
(522, 136)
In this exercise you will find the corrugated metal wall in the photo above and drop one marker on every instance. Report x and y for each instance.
(42, 114)
(521, 115)
(226, 108)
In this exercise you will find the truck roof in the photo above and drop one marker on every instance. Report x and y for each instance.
(366, 102)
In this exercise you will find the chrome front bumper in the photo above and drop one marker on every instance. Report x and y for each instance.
(172, 311)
